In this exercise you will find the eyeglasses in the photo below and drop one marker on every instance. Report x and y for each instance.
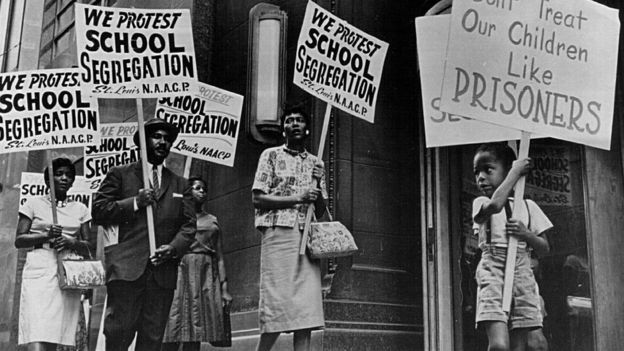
(198, 187)
(159, 136)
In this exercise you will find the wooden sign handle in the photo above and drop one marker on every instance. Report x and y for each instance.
(142, 142)
(52, 189)
(188, 160)
(321, 149)
(512, 248)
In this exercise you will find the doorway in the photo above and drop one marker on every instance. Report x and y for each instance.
(563, 275)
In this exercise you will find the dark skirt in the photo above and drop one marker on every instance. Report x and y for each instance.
(197, 311)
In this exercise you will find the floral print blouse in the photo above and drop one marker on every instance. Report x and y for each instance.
(284, 172)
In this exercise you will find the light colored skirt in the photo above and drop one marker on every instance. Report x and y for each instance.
(290, 284)
(47, 313)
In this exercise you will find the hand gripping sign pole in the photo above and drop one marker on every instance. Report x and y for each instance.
(512, 246)
(318, 23)
(142, 142)
(308, 220)
(52, 189)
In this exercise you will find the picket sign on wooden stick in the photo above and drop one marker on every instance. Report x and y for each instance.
(187, 166)
(308, 220)
(142, 148)
(52, 188)
(512, 248)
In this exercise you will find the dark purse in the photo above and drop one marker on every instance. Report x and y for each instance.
(227, 329)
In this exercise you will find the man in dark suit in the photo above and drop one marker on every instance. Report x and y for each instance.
(139, 287)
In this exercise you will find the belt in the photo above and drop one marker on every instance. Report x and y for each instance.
(42, 246)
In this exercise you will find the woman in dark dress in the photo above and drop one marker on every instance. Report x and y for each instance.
(196, 314)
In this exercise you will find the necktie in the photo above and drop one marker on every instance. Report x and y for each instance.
(155, 182)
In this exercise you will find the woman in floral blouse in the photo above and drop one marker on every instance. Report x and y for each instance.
(287, 181)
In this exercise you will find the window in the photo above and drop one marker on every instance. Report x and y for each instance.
(57, 34)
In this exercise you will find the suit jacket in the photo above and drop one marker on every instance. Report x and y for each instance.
(174, 222)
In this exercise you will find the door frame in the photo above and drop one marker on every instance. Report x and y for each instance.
(438, 299)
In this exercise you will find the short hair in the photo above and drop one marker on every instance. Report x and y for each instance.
(196, 178)
(296, 109)
(501, 151)
(58, 163)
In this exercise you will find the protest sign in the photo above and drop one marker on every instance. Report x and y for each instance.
(550, 180)
(208, 119)
(33, 185)
(341, 65)
(338, 63)
(45, 109)
(442, 128)
(546, 67)
(116, 148)
(128, 53)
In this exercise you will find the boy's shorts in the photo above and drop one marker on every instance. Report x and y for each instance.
(525, 303)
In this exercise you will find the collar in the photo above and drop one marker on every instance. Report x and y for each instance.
(159, 168)
(59, 203)
(302, 154)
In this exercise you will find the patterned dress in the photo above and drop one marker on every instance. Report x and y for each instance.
(290, 284)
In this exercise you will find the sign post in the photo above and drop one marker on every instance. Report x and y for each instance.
(208, 120)
(346, 77)
(512, 247)
(547, 68)
(145, 166)
(45, 110)
(321, 149)
(445, 129)
(135, 53)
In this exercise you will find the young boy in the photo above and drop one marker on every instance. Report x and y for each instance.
(496, 173)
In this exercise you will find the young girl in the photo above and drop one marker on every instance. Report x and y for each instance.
(496, 173)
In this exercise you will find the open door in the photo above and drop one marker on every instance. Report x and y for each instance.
(581, 190)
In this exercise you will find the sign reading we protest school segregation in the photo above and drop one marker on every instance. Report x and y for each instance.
(45, 109)
(550, 181)
(33, 185)
(133, 53)
(543, 66)
(338, 63)
(209, 122)
(116, 148)
(442, 128)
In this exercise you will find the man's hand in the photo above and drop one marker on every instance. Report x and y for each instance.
(163, 254)
(145, 197)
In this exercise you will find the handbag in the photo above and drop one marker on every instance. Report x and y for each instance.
(330, 239)
(227, 330)
(78, 273)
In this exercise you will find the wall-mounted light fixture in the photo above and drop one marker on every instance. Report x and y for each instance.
(266, 72)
